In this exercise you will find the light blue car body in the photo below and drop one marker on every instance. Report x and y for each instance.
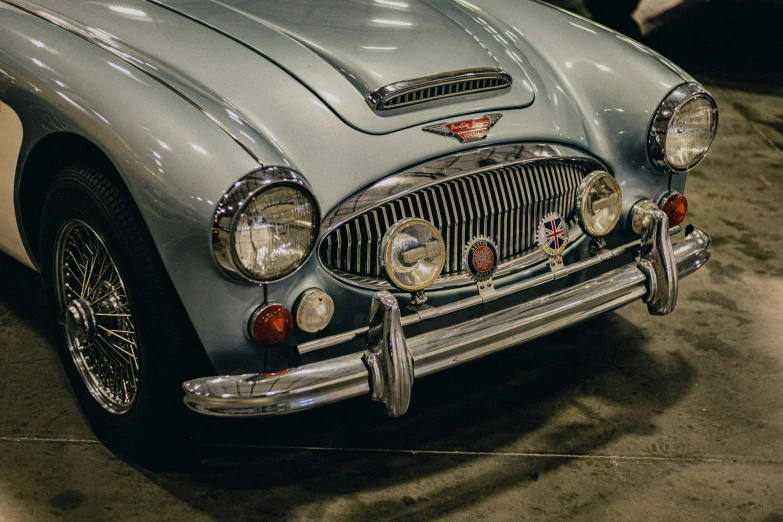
(185, 97)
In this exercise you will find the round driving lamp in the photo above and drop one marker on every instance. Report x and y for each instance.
(266, 226)
(412, 254)
(684, 128)
(598, 203)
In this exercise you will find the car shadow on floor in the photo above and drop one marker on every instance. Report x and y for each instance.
(571, 393)
(568, 394)
(22, 294)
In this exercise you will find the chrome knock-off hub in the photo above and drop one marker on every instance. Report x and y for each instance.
(80, 322)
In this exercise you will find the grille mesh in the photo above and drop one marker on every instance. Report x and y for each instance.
(505, 204)
(445, 90)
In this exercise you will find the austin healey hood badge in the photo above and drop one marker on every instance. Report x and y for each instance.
(466, 130)
(553, 239)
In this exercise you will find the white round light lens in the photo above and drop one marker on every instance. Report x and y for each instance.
(599, 202)
(314, 311)
(690, 132)
(412, 254)
(274, 232)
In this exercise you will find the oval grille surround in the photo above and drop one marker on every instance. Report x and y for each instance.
(505, 204)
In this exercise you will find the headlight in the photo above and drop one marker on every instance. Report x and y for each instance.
(684, 128)
(598, 203)
(266, 226)
(412, 254)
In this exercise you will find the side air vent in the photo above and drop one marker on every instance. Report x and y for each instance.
(438, 86)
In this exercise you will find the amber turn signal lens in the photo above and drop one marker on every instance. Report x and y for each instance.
(271, 324)
(675, 206)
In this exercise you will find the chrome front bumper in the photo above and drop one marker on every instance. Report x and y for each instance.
(390, 364)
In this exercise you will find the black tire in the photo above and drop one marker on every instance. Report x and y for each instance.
(168, 349)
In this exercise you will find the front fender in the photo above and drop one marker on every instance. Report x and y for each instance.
(174, 160)
(613, 82)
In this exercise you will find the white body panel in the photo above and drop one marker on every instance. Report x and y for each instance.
(10, 144)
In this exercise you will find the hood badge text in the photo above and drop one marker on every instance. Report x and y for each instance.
(466, 130)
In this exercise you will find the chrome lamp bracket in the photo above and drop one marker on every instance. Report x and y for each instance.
(658, 262)
(387, 357)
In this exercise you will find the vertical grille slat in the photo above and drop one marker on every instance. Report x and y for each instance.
(505, 204)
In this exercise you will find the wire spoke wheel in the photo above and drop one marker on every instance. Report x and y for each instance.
(97, 318)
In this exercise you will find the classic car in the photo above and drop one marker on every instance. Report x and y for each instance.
(274, 206)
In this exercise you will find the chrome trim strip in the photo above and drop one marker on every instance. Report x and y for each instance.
(379, 99)
(507, 267)
(343, 377)
(547, 277)
(231, 204)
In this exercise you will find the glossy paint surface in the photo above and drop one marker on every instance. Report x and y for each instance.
(343, 50)
(222, 108)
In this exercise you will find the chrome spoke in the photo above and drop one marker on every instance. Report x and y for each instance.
(105, 295)
(114, 347)
(118, 336)
(99, 324)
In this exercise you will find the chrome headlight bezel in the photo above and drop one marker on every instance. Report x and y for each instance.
(231, 206)
(664, 115)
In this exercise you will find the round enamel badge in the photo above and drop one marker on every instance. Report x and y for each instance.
(552, 234)
(480, 258)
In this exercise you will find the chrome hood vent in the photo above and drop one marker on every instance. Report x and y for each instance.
(438, 86)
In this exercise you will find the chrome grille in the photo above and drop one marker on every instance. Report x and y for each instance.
(505, 203)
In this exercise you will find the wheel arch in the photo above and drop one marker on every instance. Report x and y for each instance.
(39, 169)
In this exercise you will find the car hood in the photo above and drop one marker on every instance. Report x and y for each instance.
(343, 49)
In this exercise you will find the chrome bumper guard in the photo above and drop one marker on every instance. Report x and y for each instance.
(390, 364)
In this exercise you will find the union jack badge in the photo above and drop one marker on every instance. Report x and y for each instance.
(553, 239)
(466, 130)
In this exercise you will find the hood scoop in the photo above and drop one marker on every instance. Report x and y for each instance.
(438, 86)
(351, 53)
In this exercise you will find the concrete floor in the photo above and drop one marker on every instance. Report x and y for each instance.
(627, 417)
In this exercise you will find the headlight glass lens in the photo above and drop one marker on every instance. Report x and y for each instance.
(690, 132)
(413, 254)
(274, 232)
(599, 203)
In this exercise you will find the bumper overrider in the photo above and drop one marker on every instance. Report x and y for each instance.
(390, 364)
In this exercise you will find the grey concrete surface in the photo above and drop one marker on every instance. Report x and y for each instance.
(628, 417)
